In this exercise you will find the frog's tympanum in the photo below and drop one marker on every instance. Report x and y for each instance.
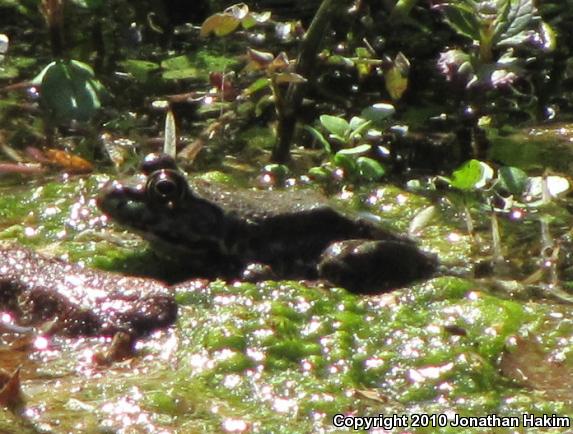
(80, 301)
(222, 231)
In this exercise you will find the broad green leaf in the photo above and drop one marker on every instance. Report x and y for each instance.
(471, 175)
(139, 69)
(335, 125)
(396, 78)
(178, 62)
(279, 170)
(357, 150)
(180, 74)
(69, 91)
(179, 67)
(320, 138)
(370, 169)
(347, 162)
(463, 19)
(319, 173)
(220, 25)
(358, 126)
(512, 179)
(395, 83)
(357, 122)
(259, 84)
(378, 112)
(519, 18)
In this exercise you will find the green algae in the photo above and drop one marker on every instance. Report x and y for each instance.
(283, 356)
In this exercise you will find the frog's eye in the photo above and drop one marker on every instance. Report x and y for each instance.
(156, 161)
(166, 186)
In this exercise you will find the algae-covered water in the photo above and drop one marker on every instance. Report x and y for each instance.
(289, 356)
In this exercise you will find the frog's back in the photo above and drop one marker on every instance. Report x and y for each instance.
(261, 205)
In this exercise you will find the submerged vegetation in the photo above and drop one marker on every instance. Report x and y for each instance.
(448, 120)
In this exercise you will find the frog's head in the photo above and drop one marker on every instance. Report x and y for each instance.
(159, 204)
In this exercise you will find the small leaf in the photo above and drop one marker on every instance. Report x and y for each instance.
(69, 91)
(178, 68)
(357, 122)
(279, 63)
(220, 25)
(181, 74)
(512, 179)
(261, 58)
(346, 162)
(472, 175)
(370, 168)
(258, 85)
(519, 18)
(357, 150)
(335, 125)
(139, 69)
(320, 138)
(289, 77)
(396, 78)
(463, 19)
(378, 112)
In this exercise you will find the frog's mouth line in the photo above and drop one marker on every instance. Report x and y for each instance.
(129, 207)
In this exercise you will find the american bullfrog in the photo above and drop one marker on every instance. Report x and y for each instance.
(226, 232)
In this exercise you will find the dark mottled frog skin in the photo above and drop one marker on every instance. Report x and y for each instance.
(81, 301)
(222, 231)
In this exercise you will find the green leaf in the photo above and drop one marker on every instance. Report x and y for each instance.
(179, 67)
(181, 74)
(471, 175)
(357, 122)
(463, 19)
(69, 90)
(320, 138)
(139, 69)
(259, 84)
(347, 162)
(289, 77)
(357, 150)
(220, 24)
(512, 179)
(335, 125)
(377, 113)
(518, 19)
(370, 169)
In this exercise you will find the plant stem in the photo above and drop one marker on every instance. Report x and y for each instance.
(288, 107)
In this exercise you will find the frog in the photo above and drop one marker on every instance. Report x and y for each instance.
(224, 231)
